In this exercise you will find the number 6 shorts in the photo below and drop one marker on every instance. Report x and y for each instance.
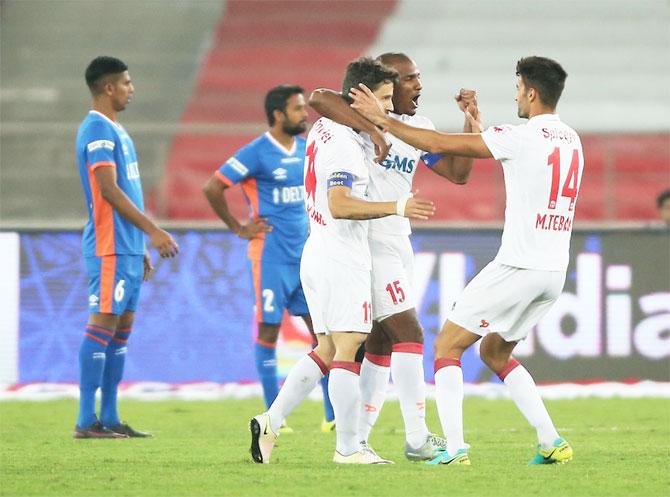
(114, 283)
(392, 268)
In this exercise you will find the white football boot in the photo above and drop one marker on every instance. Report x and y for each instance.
(262, 438)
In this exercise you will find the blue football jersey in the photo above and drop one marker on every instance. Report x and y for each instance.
(272, 180)
(104, 143)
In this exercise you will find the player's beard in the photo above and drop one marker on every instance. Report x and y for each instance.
(295, 129)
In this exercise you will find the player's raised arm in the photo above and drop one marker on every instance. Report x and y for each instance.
(161, 240)
(452, 167)
(435, 142)
(332, 105)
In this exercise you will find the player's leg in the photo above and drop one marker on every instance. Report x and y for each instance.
(408, 378)
(345, 390)
(301, 380)
(496, 352)
(270, 301)
(374, 379)
(102, 323)
(450, 344)
(328, 423)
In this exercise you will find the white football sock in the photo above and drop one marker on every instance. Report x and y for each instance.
(407, 371)
(449, 399)
(301, 380)
(527, 398)
(373, 383)
(345, 395)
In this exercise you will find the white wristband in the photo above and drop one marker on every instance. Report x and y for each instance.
(401, 203)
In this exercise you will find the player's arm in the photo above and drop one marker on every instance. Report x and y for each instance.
(215, 192)
(434, 142)
(343, 205)
(330, 104)
(452, 167)
(105, 177)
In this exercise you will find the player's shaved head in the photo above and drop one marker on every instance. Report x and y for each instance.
(368, 71)
(103, 70)
(393, 58)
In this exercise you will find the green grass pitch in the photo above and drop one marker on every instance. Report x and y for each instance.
(622, 447)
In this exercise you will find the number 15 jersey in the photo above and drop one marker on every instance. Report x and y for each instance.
(542, 163)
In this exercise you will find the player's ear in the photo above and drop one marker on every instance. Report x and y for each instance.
(279, 116)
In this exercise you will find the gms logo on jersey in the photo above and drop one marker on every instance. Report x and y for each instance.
(402, 164)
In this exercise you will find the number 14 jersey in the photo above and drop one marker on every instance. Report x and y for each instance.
(542, 163)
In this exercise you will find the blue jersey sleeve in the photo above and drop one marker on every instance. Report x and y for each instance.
(244, 164)
(99, 143)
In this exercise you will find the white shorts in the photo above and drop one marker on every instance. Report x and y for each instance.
(506, 300)
(338, 296)
(392, 268)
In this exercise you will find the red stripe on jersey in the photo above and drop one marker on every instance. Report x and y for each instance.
(379, 360)
(223, 179)
(107, 273)
(513, 363)
(443, 362)
(103, 219)
(408, 347)
(354, 367)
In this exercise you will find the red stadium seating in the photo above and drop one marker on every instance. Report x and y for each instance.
(260, 44)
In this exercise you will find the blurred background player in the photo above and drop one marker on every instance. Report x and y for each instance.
(512, 293)
(335, 271)
(396, 340)
(113, 244)
(270, 171)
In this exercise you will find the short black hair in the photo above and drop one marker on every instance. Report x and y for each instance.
(662, 197)
(368, 71)
(545, 75)
(99, 68)
(277, 98)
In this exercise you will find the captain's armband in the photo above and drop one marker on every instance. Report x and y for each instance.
(340, 178)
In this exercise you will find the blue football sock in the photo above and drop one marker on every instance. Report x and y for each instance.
(266, 365)
(91, 365)
(111, 377)
(327, 406)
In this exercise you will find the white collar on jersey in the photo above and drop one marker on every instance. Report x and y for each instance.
(544, 117)
(281, 147)
(105, 118)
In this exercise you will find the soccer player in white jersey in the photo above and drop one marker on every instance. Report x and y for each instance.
(396, 341)
(336, 270)
(542, 163)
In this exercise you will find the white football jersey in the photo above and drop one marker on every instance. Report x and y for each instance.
(333, 148)
(392, 178)
(542, 163)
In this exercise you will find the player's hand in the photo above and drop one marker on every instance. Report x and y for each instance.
(162, 241)
(466, 97)
(418, 208)
(367, 104)
(254, 228)
(382, 144)
(148, 267)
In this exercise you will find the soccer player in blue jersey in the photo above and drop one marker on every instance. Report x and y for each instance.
(113, 244)
(270, 172)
